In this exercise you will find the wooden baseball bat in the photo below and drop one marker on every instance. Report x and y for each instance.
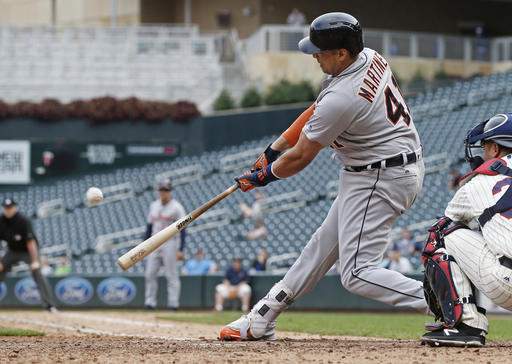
(139, 252)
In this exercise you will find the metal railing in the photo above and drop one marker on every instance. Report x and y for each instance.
(436, 162)
(332, 189)
(119, 239)
(283, 202)
(239, 161)
(181, 175)
(50, 208)
(281, 263)
(282, 38)
(211, 220)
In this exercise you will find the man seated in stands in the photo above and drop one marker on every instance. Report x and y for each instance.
(234, 286)
(198, 265)
(406, 243)
(260, 263)
(397, 262)
(256, 214)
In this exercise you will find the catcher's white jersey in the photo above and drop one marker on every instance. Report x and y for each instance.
(474, 197)
(361, 114)
(162, 216)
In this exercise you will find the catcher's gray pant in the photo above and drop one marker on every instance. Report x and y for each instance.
(166, 257)
(356, 230)
(12, 257)
(482, 267)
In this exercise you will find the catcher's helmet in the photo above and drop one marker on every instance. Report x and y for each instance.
(497, 129)
(333, 31)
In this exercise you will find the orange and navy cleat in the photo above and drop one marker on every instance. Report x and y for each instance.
(240, 330)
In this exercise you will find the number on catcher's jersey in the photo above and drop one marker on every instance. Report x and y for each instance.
(395, 104)
(498, 187)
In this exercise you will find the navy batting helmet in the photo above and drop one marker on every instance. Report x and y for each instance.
(497, 129)
(333, 31)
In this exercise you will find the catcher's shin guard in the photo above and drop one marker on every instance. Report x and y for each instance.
(260, 323)
(442, 277)
(446, 287)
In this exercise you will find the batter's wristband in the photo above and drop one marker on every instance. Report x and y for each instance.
(274, 176)
(271, 154)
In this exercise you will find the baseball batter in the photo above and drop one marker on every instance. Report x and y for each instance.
(162, 213)
(361, 114)
(458, 259)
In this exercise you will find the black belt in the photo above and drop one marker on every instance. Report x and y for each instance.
(397, 160)
(506, 262)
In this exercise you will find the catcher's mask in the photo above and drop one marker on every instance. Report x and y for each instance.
(497, 129)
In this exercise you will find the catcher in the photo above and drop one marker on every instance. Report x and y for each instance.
(458, 259)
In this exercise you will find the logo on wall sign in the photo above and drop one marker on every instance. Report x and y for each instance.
(26, 291)
(74, 290)
(3, 290)
(116, 291)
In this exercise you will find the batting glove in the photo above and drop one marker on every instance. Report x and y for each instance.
(265, 158)
(259, 178)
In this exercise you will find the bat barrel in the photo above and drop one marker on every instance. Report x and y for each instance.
(140, 251)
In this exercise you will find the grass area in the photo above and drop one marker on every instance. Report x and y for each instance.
(12, 331)
(388, 325)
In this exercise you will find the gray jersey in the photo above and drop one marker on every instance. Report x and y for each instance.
(162, 216)
(362, 115)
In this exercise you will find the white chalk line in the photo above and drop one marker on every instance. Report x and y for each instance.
(117, 320)
(88, 330)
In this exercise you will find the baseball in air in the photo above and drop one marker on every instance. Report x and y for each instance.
(94, 195)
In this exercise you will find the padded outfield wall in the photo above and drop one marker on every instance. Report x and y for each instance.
(197, 136)
(196, 292)
(76, 147)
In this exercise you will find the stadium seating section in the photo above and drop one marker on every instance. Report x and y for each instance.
(149, 62)
(442, 118)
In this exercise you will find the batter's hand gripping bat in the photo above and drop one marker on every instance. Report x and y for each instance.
(139, 252)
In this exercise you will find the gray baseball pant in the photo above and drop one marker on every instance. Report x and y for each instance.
(166, 257)
(356, 230)
(13, 257)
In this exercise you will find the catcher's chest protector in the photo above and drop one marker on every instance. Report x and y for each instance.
(493, 168)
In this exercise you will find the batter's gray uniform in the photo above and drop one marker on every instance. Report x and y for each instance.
(362, 115)
(161, 216)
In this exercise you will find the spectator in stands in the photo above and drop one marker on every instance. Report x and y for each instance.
(255, 213)
(260, 263)
(198, 265)
(455, 178)
(405, 244)
(415, 257)
(296, 17)
(22, 246)
(63, 267)
(234, 286)
(397, 262)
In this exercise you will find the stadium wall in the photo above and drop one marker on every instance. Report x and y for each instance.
(199, 135)
(268, 67)
(197, 292)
